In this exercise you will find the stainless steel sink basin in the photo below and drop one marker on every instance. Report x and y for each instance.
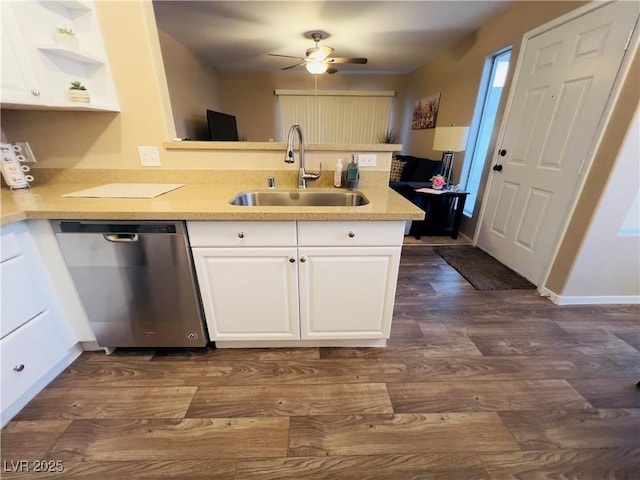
(299, 198)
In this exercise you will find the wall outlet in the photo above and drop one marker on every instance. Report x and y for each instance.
(367, 160)
(149, 156)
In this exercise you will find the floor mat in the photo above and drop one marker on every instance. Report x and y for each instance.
(482, 270)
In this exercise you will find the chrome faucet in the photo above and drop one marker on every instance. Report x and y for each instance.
(303, 175)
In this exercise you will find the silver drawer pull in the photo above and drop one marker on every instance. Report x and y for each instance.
(241, 234)
(351, 234)
(18, 368)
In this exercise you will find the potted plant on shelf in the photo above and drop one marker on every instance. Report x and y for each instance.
(390, 136)
(78, 93)
(66, 37)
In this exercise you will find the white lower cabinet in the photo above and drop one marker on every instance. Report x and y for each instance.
(347, 292)
(333, 283)
(29, 353)
(37, 342)
(249, 293)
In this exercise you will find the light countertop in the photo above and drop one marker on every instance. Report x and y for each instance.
(191, 202)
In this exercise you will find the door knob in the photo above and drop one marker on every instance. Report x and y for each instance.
(502, 152)
(497, 167)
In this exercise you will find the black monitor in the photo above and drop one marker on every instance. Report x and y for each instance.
(222, 127)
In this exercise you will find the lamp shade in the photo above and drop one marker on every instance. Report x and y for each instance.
(451, 139)
(316, 67)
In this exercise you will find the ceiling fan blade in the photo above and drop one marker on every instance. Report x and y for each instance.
(294, 66)
(285, 56)
(347, 60)
(332, 70)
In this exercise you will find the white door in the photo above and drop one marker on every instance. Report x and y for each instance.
(249, 293)
(563, 80)
(347, 292)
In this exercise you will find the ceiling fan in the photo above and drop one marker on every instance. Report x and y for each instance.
(317, 59)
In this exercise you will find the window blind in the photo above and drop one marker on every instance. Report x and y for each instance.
(335, 116)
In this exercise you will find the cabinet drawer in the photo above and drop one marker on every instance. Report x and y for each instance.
(350, 233)
(9, 245)
(21, 298)
(242, 234)
(28, 354)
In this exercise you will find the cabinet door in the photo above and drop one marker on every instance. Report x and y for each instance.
(249, 293)
(347, 292)
(19, 80)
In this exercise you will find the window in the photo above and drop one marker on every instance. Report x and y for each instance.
(493, 78)
(335, 116)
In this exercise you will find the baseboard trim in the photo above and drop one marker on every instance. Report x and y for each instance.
(590, 300)
(374, 342)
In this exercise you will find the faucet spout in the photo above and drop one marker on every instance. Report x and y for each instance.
(303, 175)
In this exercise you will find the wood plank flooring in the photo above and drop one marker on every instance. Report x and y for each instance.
(473, 385)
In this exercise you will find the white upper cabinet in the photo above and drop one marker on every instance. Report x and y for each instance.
(19, 80)
(38, 67)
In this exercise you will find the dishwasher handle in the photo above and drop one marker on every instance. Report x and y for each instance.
(121, 237)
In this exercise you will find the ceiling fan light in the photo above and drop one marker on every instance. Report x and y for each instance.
(316, 68)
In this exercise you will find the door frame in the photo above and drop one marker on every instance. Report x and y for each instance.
(632, 45)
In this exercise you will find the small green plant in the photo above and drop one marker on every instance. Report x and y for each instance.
(66, 31)
(390, 136)
(77, 86)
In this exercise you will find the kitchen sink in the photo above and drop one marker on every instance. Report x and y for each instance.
(299, 198)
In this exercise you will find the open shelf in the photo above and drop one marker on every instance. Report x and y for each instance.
(75, 5)
(77, 55)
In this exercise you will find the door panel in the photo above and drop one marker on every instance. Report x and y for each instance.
(347, 292)
(533, 216)
(504, 207)
(249, 293)
(557, 101)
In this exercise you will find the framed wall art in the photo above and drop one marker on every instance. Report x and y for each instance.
(425, 112)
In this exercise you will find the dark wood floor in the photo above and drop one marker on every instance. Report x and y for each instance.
(473, 385)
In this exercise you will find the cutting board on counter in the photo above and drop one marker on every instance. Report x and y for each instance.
(125, 190)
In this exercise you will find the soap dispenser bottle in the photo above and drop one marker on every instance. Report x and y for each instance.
(353, 173)
(337, 176)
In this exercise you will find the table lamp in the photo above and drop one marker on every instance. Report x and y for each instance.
(449, 140)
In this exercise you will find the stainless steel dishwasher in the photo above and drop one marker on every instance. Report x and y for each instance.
(136, 281)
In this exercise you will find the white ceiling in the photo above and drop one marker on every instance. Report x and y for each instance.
(396, 36)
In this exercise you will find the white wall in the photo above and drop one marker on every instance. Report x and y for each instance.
(607, 268)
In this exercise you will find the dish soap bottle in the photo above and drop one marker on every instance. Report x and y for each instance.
(337, 176)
